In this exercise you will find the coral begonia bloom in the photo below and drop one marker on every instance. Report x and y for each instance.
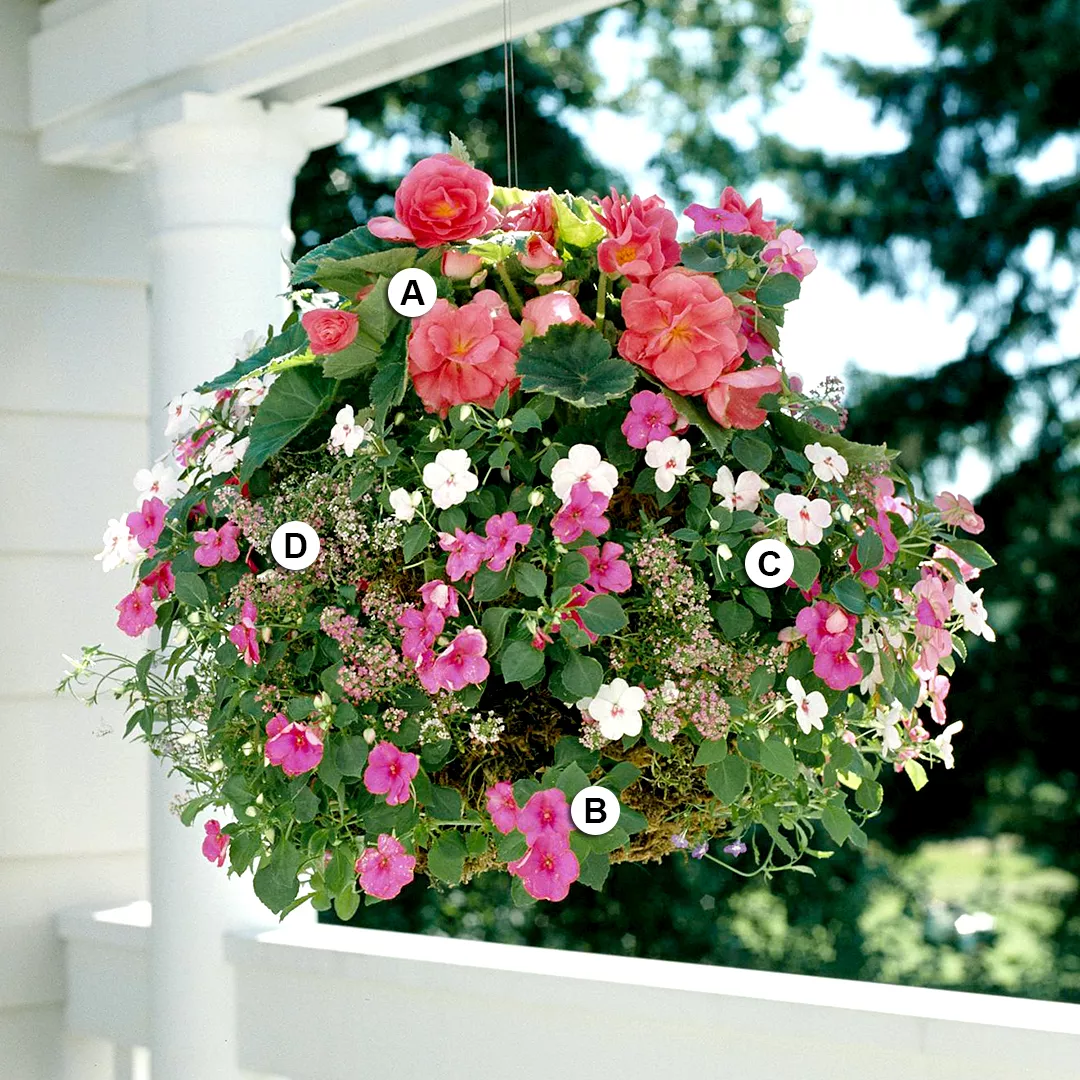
(607, 572)
(384, 870)
(216, 844)
(390, 772)
(440, 200)
(651, 418)
(733, 399)
(502, 806)
(330, 330)
(466, 354)
(582, 514)
(548, 868)
(147, 522)
(646, 226)
(731, 216)
(537, 216)
(137, 612)
(216, 545)
(552, 309)
(504, 537)
(462, 662)
(682, 329)
(296, 748)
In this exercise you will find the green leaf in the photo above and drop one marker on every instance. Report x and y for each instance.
(777, 290)
(275, 881)
(906, 686)
(191, 590)
(296, 398)
(305, 804)
(511, 846)
(524, 420)
(734, 619)
(346, 904)
(776, 756)
(971, 552)
(603, 615)
(757, 599)
(391, 377)
(594, 870)
(350, 754)
(446, 857)
(494, 627)
(289, 341)
(339, 871)
(850, 595)
(727, 778)
(621, 776)
(488, 585)
(569, 749)
(916, 774)
(710, 751)
(807, 567)
(574, 362)
(797, 434)
(520, 661)
(717, 437)
(417, 538)
(325, 260)
(349, 362)
(633, 821)
(573, 569)
(575, 222)
(444, 803)
(582, 675)
(530, 580)
(752, 453)
(869, 795)
(459, 150)
(870, 551)
(572, 780)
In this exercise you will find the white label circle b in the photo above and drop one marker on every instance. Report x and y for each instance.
(595, 810)
(412, 292)
(295, 545)
(769, 563)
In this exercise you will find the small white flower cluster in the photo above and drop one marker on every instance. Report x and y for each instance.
(485, 728)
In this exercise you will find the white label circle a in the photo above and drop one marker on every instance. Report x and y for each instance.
(412, 292)
(595, 810)
(295, 545)
(769, 563)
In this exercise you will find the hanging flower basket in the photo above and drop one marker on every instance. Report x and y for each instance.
(533, 506)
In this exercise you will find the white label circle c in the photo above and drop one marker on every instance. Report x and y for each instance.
(295, 545)
(412, 292)
(769, 563)
(595, 810)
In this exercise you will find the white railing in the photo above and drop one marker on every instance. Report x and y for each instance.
(337, 1003)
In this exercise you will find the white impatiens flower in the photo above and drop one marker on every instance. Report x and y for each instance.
(943, 743)
(243, 347)
(810, 709)
(346, 433)
(583, 463)
(617, 709)
(185, 413)
(670, 458)
(160, 481)
(806, 520)
(252, 391)
(223, 455)
(829, 464)
(969, 606)
(404, 503)
(887, 729)
(449, 479)
(741, 494)
(120, 546)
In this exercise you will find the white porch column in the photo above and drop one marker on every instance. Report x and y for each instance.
(221, 174)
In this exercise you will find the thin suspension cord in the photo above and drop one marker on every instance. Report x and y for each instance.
(511, 103)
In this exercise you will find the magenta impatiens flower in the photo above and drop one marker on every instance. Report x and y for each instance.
(462, 662)
(162, 580)
(956, 510)
(607, 572)
(390, 772)
(546, 813)
(584, 513)
(651, 418)
(830, 633)
(296, 747)
(137, 612)
(421, 629)
(147, 522)
(504, 536)
(502, 806)
(385, 869)
(467, 552)
(244, 635)
(216, 844)
(731, 216)
(216, 545)
(442, 597)
(548, 868)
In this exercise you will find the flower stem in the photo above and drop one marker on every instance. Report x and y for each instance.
(601, 299)
(511, 293)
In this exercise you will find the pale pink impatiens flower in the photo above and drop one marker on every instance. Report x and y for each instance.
(137, 613)
(384, 870)
(547, 869)
(217, 545)
(741, 494)
(806, 519)
(390, 772)
(545, 814)
(786, 254)
(551, 309)
(731, 216)
(215, 846)
(584, 513)
(651, 417)
(162, 580)
(462, 662)
(670, 458)
(147, 522)
(957, 510)
(502, 806)
(245, 636)
(607, 572)
(297, 748)
(829, 465)
(969, 607)
(583, 463)
(442, 597)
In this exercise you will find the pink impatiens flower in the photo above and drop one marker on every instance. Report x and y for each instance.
(933, 608)
(607, 572)
(731, 216)
(162, 580)
(297, 748)
(641, 236)
(504, 536)
(956, 510)
(216, 545)
(421, 628)
(384, 870)
(651, 418)
(547, 869)
(786, 254)
(462, 662)
(244, 635)
(546, 813)
(442, 597)
(137, 612)
(582, 514)
(390, 772)
(216, 844)
(467, 552)
(830, 633)
(502, 806)
(147, 522)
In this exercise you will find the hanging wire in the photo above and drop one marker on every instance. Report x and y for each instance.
(511, 103)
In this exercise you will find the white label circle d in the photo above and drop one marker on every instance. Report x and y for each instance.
(769, 563)
(595, 810)
(295, 545)
(412, 292)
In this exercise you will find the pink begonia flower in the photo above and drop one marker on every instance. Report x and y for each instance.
(967, 571)
(330, 330)
(545, 813)
(607, 572)
(297, 748)
(682, 329)
(244, 635)
(641, 236)
(552, 309)
(582, 514)
(537, 215)
(442, 597)
(502, 806)
(957, 510)
(933, 607)
(384, 870)
(462, 662)
(734, 398)
(147, 522)
(390, 772)
(806, 519)
(216, 843)
(504, 536)
(650, 418)
(830, 633)
(731, 216)
(467, 552)
(547, 869)
(467, 354)
(461, 265)
(216, 545)
(137, 612)
(162, 580)
(440, 200)
(421, 629)
(539, 254)
(783, 255)
(757, 348)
